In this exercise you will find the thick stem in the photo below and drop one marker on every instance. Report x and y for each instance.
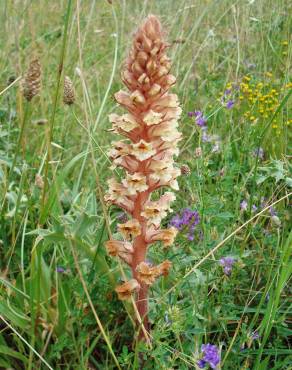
(139, 255)
(142, 296)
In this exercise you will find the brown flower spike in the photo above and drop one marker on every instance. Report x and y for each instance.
(69, 91)
(32, 80)
(146, 154)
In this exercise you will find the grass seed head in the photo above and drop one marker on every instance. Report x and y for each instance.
(69, 91)
(32, 80)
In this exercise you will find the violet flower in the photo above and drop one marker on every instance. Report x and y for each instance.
(210, 357)
(272, 211)
(255, 335)
(230, 104)
(254, 208)
(227, 264)
(200, 120)
(60, 269)
(243, 205)
(188, 220)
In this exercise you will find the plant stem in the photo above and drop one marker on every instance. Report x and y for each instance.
(139, 255)
(52, 120)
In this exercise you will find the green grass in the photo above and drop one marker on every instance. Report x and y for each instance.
(73, 320)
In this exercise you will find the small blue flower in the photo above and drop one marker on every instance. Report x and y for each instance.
(227, 263)
(187, 219)
(243, 205)
(255, 335)
(230, 104)
(211, 356)
(254, 208)
(60, 269)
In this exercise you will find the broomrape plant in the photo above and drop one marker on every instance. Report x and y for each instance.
(146, 155)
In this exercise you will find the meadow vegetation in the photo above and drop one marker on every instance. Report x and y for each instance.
(226, 301)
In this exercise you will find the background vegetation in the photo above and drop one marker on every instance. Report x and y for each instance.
(232, 60)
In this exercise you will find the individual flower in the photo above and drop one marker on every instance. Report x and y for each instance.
(60, 269)
(272, 211)
(126, 122)
(120, 248)
(155, 211)
(130, 229)
(125, 290)
(227, 263)
(206, 138)
(134, 183)
(166, 236)
(254, 208)
(243, 205)
(230, 104)
(142, 150)
(210, 356)
(255, 335)
(200, 120)
(152, 118)
(146, 273)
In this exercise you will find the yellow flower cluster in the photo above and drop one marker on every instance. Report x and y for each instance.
(258, 99)
(262, 99)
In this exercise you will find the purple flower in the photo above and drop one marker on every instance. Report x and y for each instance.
(211, 356)
(198, 114)
(259, 152)
(227, 263)
(199, 118)
(60, 269)
(243, 205)
(187, 219)
(230, 104)
(272, 211)
(255, 335)
(227, 92)
(254, 208)
(201, 121)
(205, 137)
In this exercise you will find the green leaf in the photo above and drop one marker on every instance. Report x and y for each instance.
(9, 352)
